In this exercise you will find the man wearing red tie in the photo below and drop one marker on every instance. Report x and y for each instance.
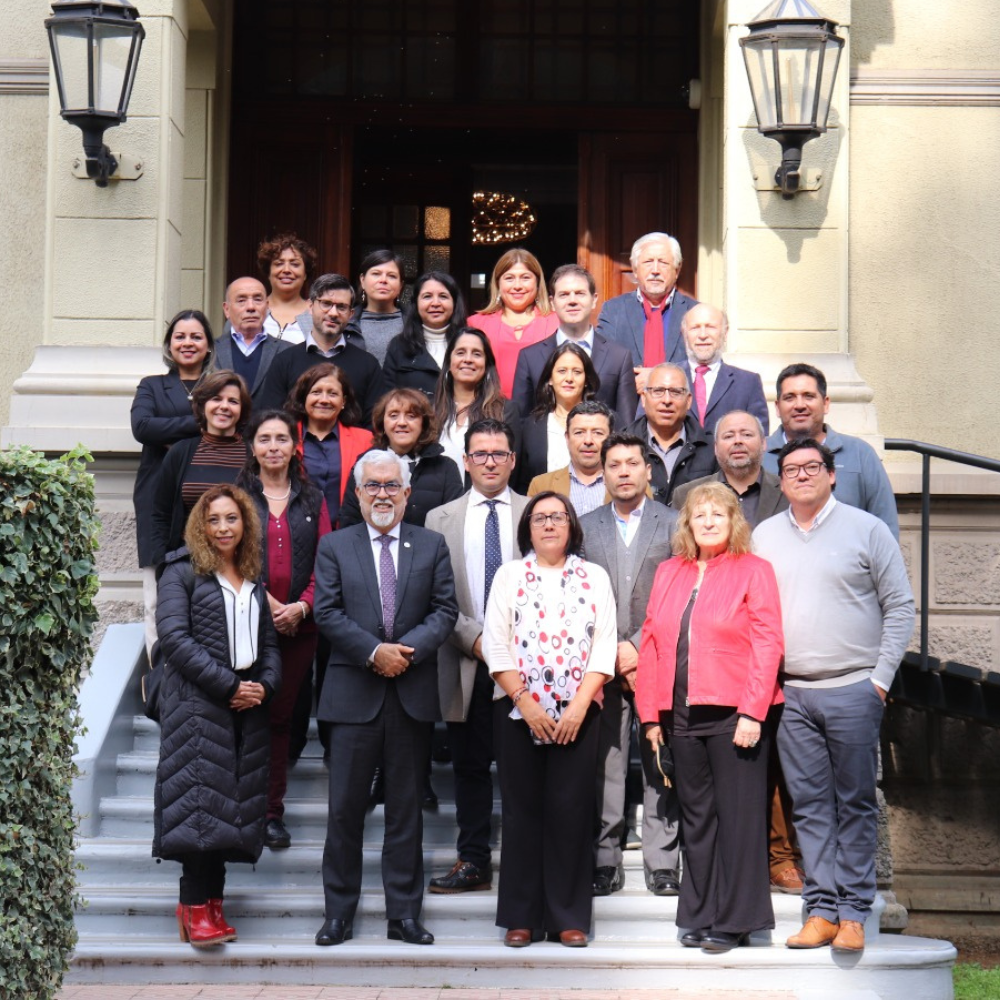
(717, 388)
(648, 320)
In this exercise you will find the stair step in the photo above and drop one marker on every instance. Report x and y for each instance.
(894, 968)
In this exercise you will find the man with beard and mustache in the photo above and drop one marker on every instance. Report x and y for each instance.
(385, 600)
(739, 450)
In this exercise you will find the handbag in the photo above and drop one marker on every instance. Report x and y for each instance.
(665, 763)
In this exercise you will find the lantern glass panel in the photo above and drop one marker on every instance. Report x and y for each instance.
(833, 49)
(112, 48)
(798, 69)
(72, 42)
(759, 57)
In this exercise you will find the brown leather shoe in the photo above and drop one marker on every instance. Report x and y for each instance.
(573, 939)
(850, 937)
(815, 933)
(517, 937)
(788, 880)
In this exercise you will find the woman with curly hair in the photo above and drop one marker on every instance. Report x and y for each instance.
(469, 390)
(221, 666)
(288, 266)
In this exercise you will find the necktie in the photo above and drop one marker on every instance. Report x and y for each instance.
(653, 348)
(700, 396)
(493, 555)
(387, 584)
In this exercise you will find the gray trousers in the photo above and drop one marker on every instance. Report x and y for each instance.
(828, 743)
(660, 815)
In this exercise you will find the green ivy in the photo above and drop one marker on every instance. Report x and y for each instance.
(48, 535)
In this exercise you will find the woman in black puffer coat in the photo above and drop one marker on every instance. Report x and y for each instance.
(221, 667)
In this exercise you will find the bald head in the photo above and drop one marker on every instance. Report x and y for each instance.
(246, 307)
(704, 329)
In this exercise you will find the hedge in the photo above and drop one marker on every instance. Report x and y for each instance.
(48, 535)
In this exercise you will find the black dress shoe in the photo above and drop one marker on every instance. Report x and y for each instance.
(334, 931)
(410, 930)
(694, 939)
(463, 877)
(723, 941)
(276, 835)
(608, 879)
(663, 882)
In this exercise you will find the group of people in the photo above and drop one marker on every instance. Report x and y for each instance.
(547, 535)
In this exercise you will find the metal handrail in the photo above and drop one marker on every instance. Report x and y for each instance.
(927, 452)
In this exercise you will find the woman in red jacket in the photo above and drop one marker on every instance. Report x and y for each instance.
(708, 668)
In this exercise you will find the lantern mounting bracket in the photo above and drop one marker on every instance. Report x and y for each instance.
(120, 167)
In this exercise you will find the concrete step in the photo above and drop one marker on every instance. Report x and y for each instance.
(893, 968)
(131, 817)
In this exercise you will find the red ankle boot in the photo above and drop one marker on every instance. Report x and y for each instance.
(197, 927)
(216, 915)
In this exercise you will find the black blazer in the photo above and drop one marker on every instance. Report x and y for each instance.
(734, 389)
(161, 416)
(614, 368)
(533, 458)
(348, 612)
(623, 321)
(697, 458)
(270, 349)
(772, 501)
(401, 371)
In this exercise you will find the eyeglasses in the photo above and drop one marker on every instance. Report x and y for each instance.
(558, 519)
(325, 305)
(373, 489)
(658, 391)
(811, 469)
(482, 457)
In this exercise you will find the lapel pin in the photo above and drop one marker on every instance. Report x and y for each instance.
(406, 545)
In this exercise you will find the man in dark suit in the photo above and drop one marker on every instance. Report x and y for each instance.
(489, 510)
(648, 320)
(739, 450)
(573, 295)
(717, 387)
(679, 450)
(331, 299)
(246, 349)
(385, 600)
(630, 537)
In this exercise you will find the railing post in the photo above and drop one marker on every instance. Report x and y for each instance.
(925, 556)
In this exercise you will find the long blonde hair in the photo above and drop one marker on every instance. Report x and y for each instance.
(718, 493)
(204, 557)
(517, 256)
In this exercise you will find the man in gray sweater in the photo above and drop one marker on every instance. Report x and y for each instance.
(848, 614)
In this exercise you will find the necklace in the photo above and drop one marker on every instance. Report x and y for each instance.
(288, 493)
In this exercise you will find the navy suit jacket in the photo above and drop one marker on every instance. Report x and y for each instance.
(623, 321)
(734, 389)
(614, 368)
(348, 611)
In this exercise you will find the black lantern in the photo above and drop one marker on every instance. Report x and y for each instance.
(95, 52)
(791, 55)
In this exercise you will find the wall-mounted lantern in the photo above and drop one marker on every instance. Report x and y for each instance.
(791, 55)
(95, 52)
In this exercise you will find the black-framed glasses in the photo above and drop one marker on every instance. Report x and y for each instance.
(325, 305)
(811, 469)
(658, 391)
(373, 489)
(558, 518)
(482, 457)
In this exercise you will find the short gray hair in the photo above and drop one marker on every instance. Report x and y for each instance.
(741, 413)
(377, 457)
(675, 247)
(669, 366)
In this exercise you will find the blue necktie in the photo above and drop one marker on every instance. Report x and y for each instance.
(493, 555)
(387, 584)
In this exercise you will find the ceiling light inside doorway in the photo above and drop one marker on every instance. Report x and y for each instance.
(498, 217)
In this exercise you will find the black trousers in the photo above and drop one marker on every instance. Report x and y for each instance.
(203, 877)
(723, 796)
(400, 745)
(547, 849)
(471, 745)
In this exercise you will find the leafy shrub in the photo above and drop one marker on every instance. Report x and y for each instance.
(48, 534)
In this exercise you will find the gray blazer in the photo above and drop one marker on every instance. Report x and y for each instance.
(772, 501)
(456, 664)
(271, 348)
(653, 541)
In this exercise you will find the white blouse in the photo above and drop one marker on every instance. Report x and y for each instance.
(242, 622)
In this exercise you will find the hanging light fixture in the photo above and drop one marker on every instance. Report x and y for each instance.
(95, 51)
(498, 217)
(791, 56)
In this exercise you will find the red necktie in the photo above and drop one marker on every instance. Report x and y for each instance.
(700, 396)
(653, 349)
